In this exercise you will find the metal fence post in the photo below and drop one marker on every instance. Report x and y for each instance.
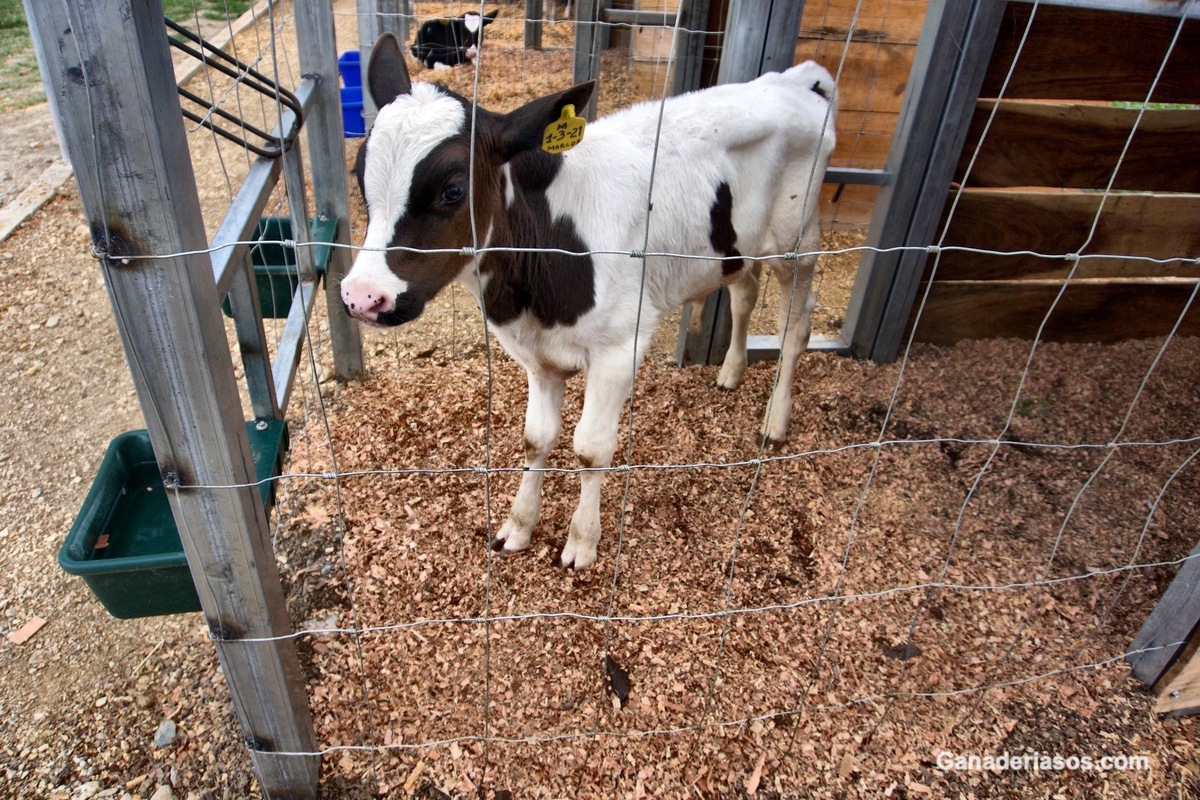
(689, 47)
(589, 41)
(760, 36)
(326, 146)
(952, 57)
(534, 9)
(375, 18)
(108, 67)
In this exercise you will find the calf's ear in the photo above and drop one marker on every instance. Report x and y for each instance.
(488, 19)
(387, 74)
(522, 129)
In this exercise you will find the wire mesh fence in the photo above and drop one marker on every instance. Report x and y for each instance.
(942, 545)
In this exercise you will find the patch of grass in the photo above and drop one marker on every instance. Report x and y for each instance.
(1155, 106)
(185, 11)
(20, 81)
(1032, 407)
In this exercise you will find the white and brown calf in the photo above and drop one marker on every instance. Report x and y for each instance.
(737, 175)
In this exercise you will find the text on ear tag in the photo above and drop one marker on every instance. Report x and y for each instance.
(565, 132)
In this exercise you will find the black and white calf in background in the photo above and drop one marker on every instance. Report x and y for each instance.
(445, 43)
(738, 174)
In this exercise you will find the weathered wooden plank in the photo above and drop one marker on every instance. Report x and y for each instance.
(864, 139)
(760, 37)
(853, 208)
(588, 47)
(956, 45)
(1057, 221)
(1179, 690)
(878, 20)
(1083, 54)
(252, 341)
(1095, 310)
(874, 76)
(330, 196)
(534, 10)
(1077, 145)
(1154, 648)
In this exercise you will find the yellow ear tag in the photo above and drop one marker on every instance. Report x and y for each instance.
(565, 132)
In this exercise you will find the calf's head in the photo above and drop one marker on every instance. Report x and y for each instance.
(415, 174)
(450, 41)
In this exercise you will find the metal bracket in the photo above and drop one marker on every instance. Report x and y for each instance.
(213, 56)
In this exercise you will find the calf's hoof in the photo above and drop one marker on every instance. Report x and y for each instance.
(510, 539)
(730, 378)
(578, 557)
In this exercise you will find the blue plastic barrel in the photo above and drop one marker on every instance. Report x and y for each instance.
(350, 68)
(352, 116)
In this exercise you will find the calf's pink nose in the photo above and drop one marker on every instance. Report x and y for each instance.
(364, 302)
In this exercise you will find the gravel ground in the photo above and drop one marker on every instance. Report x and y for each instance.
(83, 701)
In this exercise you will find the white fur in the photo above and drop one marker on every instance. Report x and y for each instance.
(510, 191)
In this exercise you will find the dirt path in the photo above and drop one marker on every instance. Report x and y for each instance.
(32, 164)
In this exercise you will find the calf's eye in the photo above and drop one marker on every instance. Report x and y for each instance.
(453, 193)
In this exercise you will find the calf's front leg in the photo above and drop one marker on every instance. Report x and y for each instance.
(543, 421)
(608, 383)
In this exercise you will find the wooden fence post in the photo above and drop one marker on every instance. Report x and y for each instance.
(108, 67)
(589, 42)
(326, 137)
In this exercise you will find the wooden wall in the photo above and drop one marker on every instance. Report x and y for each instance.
(875, 59)
(1039, 175)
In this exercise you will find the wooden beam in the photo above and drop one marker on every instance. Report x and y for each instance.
(252, 342)
(1154, 649)
(873, 20)
(291, 342)
(1086, 54)
(534, 10)
(1057, 221)
(874, 76)
(1095, 310)
(760, 37)
(1077, 145)
(689, 47)
(589, 42)
(955, 47)
(863, 138)
(376, 17)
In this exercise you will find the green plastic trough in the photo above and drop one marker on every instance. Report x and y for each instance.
(124, 543)
(275, 264)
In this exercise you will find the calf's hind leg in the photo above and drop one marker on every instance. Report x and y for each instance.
(796, 302)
